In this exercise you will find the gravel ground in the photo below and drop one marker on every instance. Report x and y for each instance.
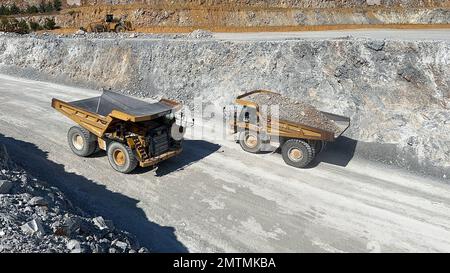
(214, 197)
(292, 110)
(37, 217)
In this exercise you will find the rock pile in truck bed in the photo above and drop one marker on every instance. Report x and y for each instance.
(292, 110)
(36, 217)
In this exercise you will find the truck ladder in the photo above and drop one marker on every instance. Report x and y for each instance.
(139, 148)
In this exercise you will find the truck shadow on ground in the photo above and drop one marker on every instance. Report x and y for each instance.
(193, 151)
(94, 198)
(337, 153)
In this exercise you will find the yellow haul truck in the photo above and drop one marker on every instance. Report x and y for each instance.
(131, 131)
(301, 130)
(109, 24)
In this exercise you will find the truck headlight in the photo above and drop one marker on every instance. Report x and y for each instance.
(169, 116)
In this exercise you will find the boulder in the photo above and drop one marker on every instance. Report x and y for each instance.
(5, 186)
(103, 224)
(33, 226)
(74, 246)
(37, 201)
(121, 245)
(80, 32)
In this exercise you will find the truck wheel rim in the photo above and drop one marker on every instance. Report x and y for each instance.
(295, 154)
(77, 141)
(119, 157)
(251, 141)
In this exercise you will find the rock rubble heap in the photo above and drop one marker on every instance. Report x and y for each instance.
(37, 217)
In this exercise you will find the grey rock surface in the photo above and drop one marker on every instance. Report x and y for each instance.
(33, 226)
(102, 224)
(5, 186)
(37, 201)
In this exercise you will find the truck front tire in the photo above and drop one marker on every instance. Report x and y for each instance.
(297, 153)
(119, 29)
(250, 141)
(81, 141)
(121, 157)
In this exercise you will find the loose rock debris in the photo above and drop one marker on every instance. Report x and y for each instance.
(292, 110)
(35, 217)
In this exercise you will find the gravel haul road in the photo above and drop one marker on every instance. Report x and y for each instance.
(215, 197)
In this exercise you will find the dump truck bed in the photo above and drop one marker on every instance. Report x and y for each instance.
(109, 101)
(341, 122)
(299, 119)
(97, 113)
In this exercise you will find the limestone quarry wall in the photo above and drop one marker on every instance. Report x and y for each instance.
(253, 3)
(150, 16)
(279, 3)
(397, 93)
(224, 15)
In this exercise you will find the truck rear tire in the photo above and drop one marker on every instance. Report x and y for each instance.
(121, 157)
(297, 153)
(318, 145)
(250, 141)
(81, 141)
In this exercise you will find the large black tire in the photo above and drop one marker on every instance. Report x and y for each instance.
(319, 146)
(250, 141)
(297, 153)
(119, 28)
(81, 141)
(98, 29)
(121, 157)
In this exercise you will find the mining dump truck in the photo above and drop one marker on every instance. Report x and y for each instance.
(131, 131)
(301, 130)
(110, 24)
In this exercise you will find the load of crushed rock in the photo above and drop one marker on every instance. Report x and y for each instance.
(292, 110)
(200, 34)
(37, 217)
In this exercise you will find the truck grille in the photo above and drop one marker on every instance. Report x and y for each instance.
(159, 142)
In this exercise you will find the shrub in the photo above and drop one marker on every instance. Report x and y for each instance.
(4, 10)
(35, 26)
(32, 9)
(4, 23)
(22, 27)
(49, 24)
(14, 9)
(42, 6)
(57, 4)
(49, 7)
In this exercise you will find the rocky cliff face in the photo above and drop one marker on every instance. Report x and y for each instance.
(397, 93)
(257, 3)
(150, 16)
(225, 14)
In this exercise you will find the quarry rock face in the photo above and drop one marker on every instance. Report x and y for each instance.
(397, 93)
(229, 14)
(257, 3)
(227, 19)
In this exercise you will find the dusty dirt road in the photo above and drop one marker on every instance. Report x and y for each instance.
(215, 197)
(391, 34)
